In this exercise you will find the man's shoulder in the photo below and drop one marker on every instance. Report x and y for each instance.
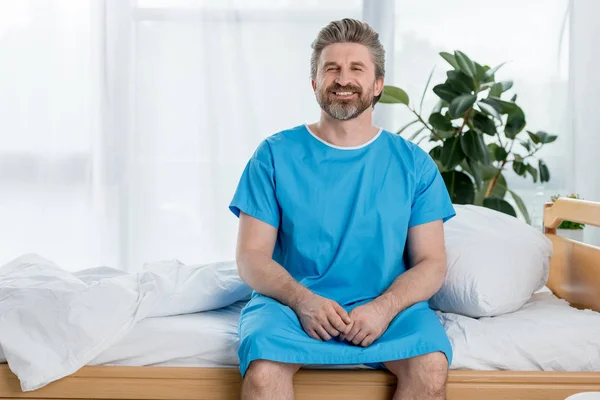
(408, 150)
(278, 143)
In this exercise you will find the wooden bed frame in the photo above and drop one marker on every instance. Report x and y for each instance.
(574, 276)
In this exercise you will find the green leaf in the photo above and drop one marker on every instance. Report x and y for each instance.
(445, 92)
(460, 187)
(452, 153)
(460, 82)
(436, 153)
(544, 171)
(490, 72)
(519, 168)
(417, 133)
(506, 85)
(533, 172)
(444, 134)
(515, 123)
(450, 59)
(474, 147)
(499, 205)
(489, 110)
(541, 137)
(406, 126)
(461, 104)
(484, 124)
(499, 190)
(488, 172)
(498, 152)
(439, 122)
(514, 98)
(465, 64)
(521, 205)
(527, 144)
(496, 90)
(479, 73)
(503, 107)
(500, 87)
(394, 95)
(475, 170)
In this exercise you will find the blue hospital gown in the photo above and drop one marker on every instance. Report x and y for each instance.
(342, 215)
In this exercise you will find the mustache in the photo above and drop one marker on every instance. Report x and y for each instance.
(339, 88)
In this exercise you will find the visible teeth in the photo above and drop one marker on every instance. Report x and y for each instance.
(343, 93)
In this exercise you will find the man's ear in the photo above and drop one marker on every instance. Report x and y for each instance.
(379, 82)
(314, 85)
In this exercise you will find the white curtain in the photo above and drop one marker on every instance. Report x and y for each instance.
(124, 125)
(55, 190)
(584, 102)
(127, 124)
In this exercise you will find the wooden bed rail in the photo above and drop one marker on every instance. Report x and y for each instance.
(565, 209)
(575, 266)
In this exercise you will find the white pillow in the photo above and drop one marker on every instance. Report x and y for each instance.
(495, 263)
(187, 289)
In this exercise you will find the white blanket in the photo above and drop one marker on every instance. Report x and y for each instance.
(53, 322)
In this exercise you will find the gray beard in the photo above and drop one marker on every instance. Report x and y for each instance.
(343, 111)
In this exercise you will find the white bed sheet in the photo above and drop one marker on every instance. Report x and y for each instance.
(544, 335)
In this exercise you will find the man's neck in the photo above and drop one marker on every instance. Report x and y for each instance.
(350, 133)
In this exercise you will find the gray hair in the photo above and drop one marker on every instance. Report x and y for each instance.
(349, 31)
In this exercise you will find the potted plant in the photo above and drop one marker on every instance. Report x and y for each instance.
(569, 229)
(478, 133)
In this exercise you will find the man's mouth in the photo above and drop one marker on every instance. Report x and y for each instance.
(344, 95)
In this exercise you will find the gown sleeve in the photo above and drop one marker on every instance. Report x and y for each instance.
(431, 200)
(255, 193)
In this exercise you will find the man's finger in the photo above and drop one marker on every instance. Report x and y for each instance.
(359, 337)
(336, 321)
(330, 329)
(342, 313)
(367, 341)
(313, 334)
(353, 332)
(322, 333)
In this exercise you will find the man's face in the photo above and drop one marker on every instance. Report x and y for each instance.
(345, 84)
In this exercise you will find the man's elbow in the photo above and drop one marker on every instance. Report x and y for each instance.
(440, 273)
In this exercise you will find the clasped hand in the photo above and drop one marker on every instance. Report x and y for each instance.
(323, 319)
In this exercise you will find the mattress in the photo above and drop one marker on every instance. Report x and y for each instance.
(544, 335)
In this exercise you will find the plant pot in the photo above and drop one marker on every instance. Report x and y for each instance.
(574, 234)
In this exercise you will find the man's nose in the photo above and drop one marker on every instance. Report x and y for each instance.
(343, 77)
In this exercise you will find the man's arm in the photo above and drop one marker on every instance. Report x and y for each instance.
(426, 273)
(420, 282)
(321, 318)
(256, 241)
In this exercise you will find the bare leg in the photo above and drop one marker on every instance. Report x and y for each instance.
(422, 377)
(269, 380)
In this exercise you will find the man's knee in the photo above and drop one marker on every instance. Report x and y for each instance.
(265, 374)
(434, 373)
(427, 374)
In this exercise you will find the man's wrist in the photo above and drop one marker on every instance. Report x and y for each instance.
(388, 305)
(298, 294)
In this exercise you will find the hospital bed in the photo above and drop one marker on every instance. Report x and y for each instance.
(194, 356)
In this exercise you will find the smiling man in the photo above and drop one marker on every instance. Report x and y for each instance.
(341, 237)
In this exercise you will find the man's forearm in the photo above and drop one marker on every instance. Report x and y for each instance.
(269, 278)
(417, 284)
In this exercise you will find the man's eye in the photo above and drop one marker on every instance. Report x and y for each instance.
(356, 69)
